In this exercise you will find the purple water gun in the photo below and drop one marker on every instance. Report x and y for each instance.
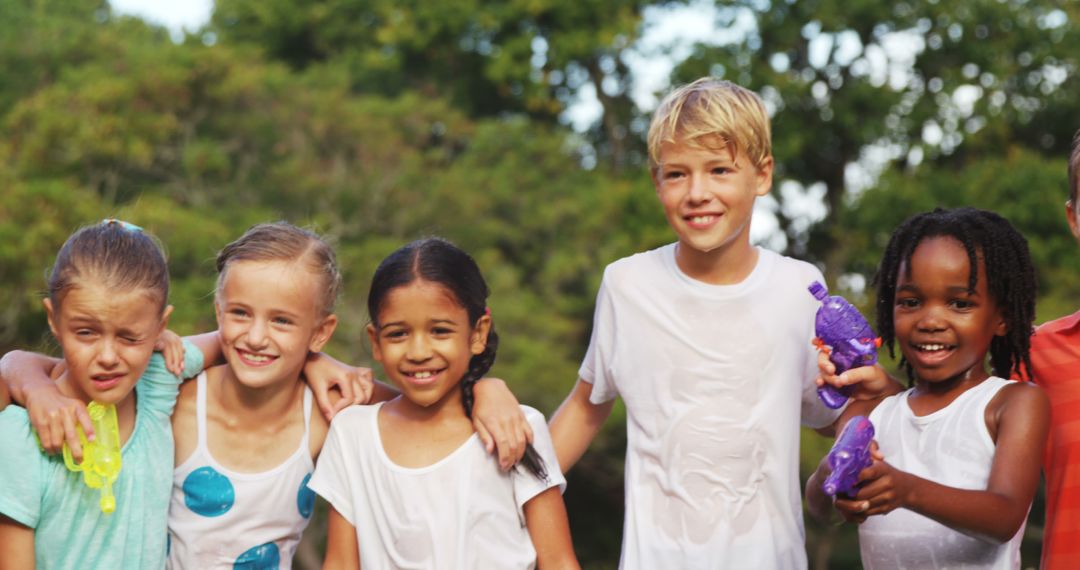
(845, 336)
(849, 455)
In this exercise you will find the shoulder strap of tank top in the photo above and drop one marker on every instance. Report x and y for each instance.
(308, 404)
(200, 409)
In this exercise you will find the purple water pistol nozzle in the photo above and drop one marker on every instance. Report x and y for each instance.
(849, 455)
(846, 337)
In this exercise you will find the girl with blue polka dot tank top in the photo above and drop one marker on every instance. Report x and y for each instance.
(219, 517)
(246, 440)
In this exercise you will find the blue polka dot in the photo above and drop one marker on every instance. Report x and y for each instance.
(305, 498)
(262, 557)
(208, 493)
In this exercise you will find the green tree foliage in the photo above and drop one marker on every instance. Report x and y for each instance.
(485, 57)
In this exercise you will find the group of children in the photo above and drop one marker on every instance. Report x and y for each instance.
(706, 340)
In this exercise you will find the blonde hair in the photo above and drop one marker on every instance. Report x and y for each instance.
(282, 241)
(712, 113)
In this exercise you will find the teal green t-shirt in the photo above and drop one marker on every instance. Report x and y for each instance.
(70, 531)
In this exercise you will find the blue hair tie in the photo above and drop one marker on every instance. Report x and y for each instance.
(124, 225)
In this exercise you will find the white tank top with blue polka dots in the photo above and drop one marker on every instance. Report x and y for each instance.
(219, 518)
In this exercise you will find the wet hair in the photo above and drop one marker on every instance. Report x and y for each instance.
(115, 254)
(440, 262)
(1010, 278)
(712, 113)
(282, 241)
(1074, 171)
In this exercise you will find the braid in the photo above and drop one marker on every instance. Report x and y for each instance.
(441, 262)
(1010, 276)
(478, 366)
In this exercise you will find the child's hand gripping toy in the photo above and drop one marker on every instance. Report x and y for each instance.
(101, 458)
(845, 336)
(849, 455)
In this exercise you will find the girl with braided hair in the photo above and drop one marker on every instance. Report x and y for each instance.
(408, 480)
(957, 458)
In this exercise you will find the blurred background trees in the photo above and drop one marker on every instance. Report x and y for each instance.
(377, 122)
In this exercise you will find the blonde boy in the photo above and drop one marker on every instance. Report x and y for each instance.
(708, 342)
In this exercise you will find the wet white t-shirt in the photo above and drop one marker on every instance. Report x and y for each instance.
(460, 512)
(716, 379)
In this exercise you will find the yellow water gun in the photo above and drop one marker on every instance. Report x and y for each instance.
(101, 458)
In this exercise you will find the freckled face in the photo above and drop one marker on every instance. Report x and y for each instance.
(708, 194)
(943, 328)
(424, 341)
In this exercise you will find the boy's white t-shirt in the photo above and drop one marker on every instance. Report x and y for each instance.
(460, 512)
(715, 379)
(953, 447)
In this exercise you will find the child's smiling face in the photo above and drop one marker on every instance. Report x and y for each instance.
(269, 319)
(424, 340)
(943, 328)
(708, 194)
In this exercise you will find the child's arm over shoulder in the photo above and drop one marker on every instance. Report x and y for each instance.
(576, 423)
(1019, 418)
(171, 347)
(28, 378)
(17, 544)
(500, 422)
(337, 385)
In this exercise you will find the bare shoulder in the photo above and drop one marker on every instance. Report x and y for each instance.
(1020, 404)
(187, 399)
(187, 396)
(1025, 396)
(185, 421)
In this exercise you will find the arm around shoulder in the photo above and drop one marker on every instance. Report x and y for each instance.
(28, 379)
(576, 423)
(22, 372)
(209, 344)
